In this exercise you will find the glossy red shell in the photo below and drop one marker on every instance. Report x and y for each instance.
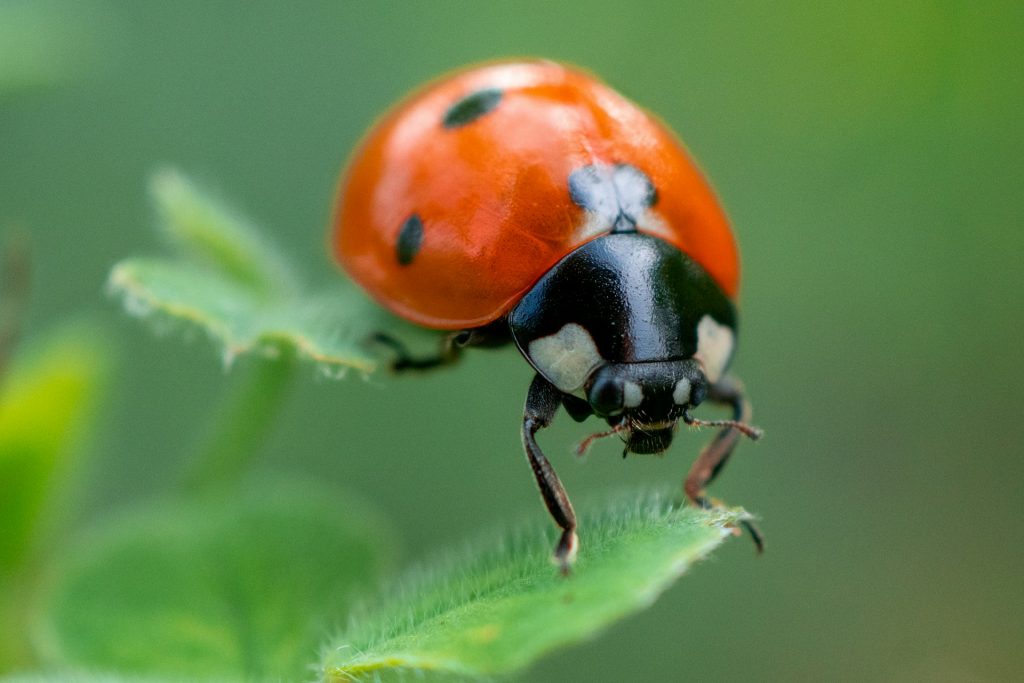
(493, 194)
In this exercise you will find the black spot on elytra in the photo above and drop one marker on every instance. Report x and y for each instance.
(410, 239)
(471, 107)
(618, 193)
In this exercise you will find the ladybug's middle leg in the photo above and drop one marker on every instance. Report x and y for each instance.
(712, 459)
(542, 402)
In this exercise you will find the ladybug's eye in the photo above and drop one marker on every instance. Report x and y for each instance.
(606, 396)
(698, 393)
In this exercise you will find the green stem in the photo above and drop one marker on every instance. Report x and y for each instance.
(239, 429)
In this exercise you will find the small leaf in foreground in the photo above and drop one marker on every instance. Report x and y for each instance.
(234, 284)
(235, 587)
(45, 406)
(497, 611)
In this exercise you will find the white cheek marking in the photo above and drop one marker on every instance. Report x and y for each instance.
(681, 394)
(566, 357)
(632, 394)
(714, 347)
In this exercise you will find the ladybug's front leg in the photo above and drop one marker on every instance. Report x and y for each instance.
(542, 402)
(712, 459)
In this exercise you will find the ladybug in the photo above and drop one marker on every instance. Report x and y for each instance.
(529, 203)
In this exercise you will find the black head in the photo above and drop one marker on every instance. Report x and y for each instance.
(645, 400)
(634, 326)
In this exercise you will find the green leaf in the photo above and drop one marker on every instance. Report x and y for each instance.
(45, 408)
(497, 610)
(236, 285)
(241, 586)
(215, 235)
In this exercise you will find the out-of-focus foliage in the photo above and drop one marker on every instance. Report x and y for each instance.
(45, 408)
(235, 285)
(63, 676)
(242, 585)
(47, 405)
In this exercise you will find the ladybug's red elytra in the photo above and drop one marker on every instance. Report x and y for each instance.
(528, 202)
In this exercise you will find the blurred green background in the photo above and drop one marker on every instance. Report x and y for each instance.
(870, 155)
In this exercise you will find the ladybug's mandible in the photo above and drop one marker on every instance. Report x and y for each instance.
(528, 202)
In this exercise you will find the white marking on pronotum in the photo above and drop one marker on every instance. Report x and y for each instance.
(681, 394)
(611, 192)
(633, 189)
(632, 394)
(566, 357)
(714, 347)
(650, 221)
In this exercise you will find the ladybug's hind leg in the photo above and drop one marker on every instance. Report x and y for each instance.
(542, 402)
(448, 352)
(728, 391)
(450, 349)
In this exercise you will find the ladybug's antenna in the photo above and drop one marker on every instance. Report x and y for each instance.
(583, 446)
(751, 432)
